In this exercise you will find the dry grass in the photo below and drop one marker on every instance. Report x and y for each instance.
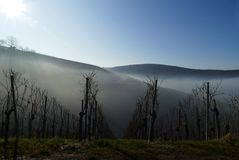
(127, 149)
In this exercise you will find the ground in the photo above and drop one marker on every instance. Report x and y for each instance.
(105, 149)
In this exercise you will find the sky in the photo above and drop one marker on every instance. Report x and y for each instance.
(189, 33)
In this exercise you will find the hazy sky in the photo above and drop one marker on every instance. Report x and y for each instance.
(190, 33)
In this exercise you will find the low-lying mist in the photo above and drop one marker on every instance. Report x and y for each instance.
(118, 92)
(187, 83)
(64, 80)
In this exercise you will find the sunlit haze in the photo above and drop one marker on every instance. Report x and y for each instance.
(12, 8)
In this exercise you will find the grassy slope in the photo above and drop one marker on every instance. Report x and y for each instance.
(126, 149)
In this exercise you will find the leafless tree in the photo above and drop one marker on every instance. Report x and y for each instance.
(142, 124)
(12, 42)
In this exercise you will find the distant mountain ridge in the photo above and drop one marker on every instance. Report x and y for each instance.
(173, 71)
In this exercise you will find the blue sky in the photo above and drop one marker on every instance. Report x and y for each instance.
(190, 33)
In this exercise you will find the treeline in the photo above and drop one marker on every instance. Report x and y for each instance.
(12, 43)
(204, 114)
(28, 111)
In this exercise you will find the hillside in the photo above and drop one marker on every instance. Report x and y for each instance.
(166, 71)
(63, 79)
(182, 79)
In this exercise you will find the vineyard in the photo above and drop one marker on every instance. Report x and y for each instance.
(35, 123)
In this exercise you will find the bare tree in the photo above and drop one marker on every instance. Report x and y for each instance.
(142, 124)
(12, 42)
(44, 118)
(81, 114)
(207, 94)
(153, 86)
(11, 87)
